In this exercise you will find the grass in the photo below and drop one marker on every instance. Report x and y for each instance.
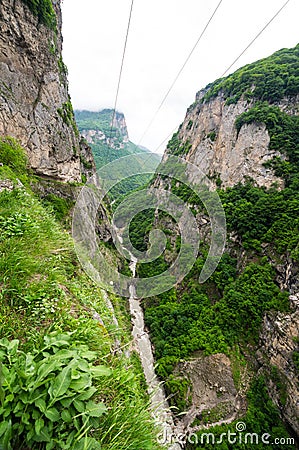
(44, 290)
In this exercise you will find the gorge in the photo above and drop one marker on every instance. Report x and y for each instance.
(84, 369)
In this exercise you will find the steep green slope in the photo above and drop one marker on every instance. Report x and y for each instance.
(225, 314)
(63, 384)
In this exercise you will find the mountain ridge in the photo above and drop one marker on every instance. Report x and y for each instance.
(108, 141)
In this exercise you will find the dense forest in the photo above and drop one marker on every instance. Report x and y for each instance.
(269, 79)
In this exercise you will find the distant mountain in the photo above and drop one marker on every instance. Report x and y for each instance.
(108, 141)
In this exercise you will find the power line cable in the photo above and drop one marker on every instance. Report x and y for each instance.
(256, 37)
(245, 49)
(121, 66)
(166, 139)
(180, 71)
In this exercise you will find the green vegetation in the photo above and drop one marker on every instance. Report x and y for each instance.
(63, 73)
(52, 47)
(229, 307)
(50, 388)
(100, 121)
(269, 79)
(102, 150)
(140, 227)
(296, 359)
(184, 322)
(212, 135)
(227, 310)
(44, 10)
(110, 145)
(13, 156)
(60, 206)
(66, 112)
(280, 384)
(213, 316)
(119, 192)
(264, 216)
(104, 154)
(62, 385)
(262, 417)
(178, 148)
(185, 193)
(190, 124)
(153, 268)
(178, 389)
(86, 164)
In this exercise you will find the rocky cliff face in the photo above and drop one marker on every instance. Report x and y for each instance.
(35, 105)
(211, 141)
(103, 127)
(278, 342)
(119, 123)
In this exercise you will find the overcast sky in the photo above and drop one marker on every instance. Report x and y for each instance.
(161, 36)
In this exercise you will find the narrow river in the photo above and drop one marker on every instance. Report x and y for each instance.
(159, 405)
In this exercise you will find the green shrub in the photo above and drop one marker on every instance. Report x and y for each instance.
(61, 206)
(66, 112)
(139, 229)
(101, 120)
(177, 390)
(86, 164)
(174, 144)
(191, 321)
(63, 71)
(212, 135)
(190, 124)
(13, 155)
(44, 10)
(47, 395)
